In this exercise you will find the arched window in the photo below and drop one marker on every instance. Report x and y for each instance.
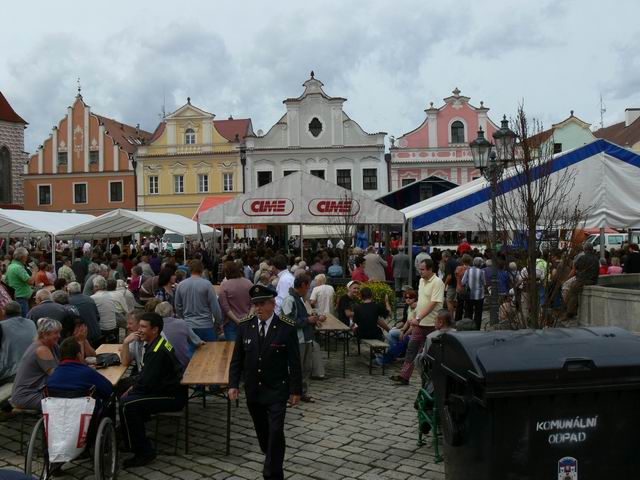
(5, 178)
(457, 132)
(189, 136)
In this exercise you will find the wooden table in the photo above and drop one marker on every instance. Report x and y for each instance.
(210, 365)
(115, 372)
(332, 324)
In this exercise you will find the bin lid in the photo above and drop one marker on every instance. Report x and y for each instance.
(507, 363)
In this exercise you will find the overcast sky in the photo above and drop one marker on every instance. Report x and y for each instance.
(389, 59)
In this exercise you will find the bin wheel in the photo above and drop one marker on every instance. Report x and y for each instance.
(450, 429)
(105, 455)
(37, 460)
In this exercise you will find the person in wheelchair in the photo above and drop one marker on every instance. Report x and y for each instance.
(74, 375)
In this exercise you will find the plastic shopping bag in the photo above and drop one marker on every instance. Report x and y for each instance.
(66, 423)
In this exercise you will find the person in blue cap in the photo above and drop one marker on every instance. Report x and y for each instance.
(267, 353)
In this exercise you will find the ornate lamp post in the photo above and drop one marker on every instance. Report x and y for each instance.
(491, 163)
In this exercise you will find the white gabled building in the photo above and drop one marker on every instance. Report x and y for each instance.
(316, 136)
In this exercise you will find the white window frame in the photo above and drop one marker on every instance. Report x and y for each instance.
(202, 176)
(377, 179)
(224, 182)
(188, 136)
(408, 180)
(50, 193)
(175, 178)
(95, 152)
(157, 185)
(121, 182)
(73, 193)
(466, 130)
(258, 172)
(350, 176)
(323, 170)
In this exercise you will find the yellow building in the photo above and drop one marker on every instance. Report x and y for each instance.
(190, 157)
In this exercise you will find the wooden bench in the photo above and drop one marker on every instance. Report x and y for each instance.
(210, 365)
(375, 346)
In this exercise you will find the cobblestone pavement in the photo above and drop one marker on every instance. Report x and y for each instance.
(361, 427)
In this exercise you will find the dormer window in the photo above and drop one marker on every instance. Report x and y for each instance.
(315, 127)
(189, 136)
(457, 132)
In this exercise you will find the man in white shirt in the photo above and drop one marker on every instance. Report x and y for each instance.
(285, 280)
(322, 295)
(106, 309)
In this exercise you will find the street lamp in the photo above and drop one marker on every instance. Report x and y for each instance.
(491, 163)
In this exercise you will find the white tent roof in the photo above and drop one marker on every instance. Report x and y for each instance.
(32, 222)
(301, 198)
(607, 179)
(126, 222)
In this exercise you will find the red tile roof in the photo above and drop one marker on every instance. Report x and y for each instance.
(157, 132)
(621, 135)
(7, 113)
(232, 127)
(128, 137)
(539, 138)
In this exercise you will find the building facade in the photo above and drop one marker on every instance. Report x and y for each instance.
(190, 157)
(440, 145)
(627, 133)
(86, 164)
(566, 135)
(316, 136)
(12, 155)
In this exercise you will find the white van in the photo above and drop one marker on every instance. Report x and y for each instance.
(175, 239)
(611, 240)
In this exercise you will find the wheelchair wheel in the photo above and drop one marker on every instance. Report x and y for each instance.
(37, 460)
(105, 455)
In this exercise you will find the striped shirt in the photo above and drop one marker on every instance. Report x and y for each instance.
(474, 279)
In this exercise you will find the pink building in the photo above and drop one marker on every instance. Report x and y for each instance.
(440, 145)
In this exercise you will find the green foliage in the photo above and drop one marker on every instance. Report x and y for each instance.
(380, 290)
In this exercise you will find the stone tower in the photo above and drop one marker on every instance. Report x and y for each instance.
(12, 155)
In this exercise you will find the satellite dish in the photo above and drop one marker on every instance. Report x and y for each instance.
(260, 133)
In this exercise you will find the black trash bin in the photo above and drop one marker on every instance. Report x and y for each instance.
(561, 404)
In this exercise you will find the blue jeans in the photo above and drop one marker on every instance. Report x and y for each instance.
(230, 331)
(24, 304)
(206, 335)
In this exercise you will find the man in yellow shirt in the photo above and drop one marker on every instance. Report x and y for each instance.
(430, 300)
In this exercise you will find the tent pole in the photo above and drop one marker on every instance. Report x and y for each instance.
(184, 250)
(121, 244)
(6, 249)
(403, 244)
(601, 242)
(73, 249)
(410, 250)
(301, 243)
(53, 251)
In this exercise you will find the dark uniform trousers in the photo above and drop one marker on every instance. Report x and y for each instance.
(268, 421)
(271, 367)
(135, 410)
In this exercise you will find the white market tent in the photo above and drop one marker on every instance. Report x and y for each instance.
(300, 199)
(607, 179)
(126, 222)
(23, 223)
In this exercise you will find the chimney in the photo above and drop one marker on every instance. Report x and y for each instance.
(631, 115)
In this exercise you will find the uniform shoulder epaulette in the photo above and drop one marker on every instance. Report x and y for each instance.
(287, 320)
(247, 318)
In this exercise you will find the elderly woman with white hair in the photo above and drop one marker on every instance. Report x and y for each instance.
(37, 363)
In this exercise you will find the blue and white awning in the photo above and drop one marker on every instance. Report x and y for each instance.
(607, 184)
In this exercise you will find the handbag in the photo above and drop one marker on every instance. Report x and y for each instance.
(104, 360)
(66, 423)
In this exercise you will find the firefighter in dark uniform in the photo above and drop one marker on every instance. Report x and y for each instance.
(157, 389)
(267, 353)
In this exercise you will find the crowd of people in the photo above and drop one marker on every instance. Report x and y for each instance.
(55, 316)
